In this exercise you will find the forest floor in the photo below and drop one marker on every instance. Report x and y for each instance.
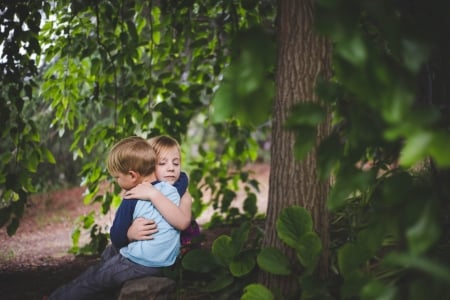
(35, 260)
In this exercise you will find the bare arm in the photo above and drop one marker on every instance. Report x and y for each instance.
(178, 216)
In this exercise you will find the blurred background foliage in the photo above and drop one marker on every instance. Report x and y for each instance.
(103, 70)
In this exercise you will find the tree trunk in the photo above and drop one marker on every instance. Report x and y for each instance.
(302, 57)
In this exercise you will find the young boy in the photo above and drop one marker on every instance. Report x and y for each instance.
(131, 162)
(168, 169)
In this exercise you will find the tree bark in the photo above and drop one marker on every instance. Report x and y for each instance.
(302, 57)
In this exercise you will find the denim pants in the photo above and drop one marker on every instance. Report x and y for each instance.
(104, 280)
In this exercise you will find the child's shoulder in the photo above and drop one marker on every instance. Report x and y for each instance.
(165, 186)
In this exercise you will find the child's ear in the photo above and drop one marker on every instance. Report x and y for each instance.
(133, 174)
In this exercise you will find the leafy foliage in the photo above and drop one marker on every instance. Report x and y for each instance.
(234, 259)
(110, 69)
(386, 151)
(20, 147)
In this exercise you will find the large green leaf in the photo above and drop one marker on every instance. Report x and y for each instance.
(350, 258)
(375, 289)
(292, 224)
(439, 149)
(243, 264)
(309, 250)
(257, 292)
(274, 261)
(305, 140)
(420, 263)
(416, 147)
(239, 237)
(199, 260)
(223, 249)
(220, 282)
(246, 91)
(424, 233)
(308, 113)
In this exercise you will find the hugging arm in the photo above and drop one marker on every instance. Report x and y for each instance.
(177, 216)
(121, 223)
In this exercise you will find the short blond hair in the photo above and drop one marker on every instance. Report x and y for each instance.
(161, 143)
(131, 154)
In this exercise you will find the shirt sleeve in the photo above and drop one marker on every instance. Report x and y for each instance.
(122, 221)
(181, 184)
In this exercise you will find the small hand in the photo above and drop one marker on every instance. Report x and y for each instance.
(142, 229)
(142, 191)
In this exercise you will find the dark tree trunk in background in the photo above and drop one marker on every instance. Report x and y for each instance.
(302, 57)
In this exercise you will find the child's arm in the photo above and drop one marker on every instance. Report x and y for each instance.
(121, 223)
(178, 216)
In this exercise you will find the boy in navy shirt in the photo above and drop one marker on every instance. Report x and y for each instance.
(131, 162)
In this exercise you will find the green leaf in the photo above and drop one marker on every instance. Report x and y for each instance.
(424, 233)
(12, 227)
(76, 236)
(328, 155)
(88, 220)
(239, 237)
(257, 292)
(251, 204)
(308, 113)
(351, 181)
(415, 54)
(309, 250)
(243, 264)
(415, 148)
(222, 107)
(223, 249)
(353, 49)
(305, 140)
(411, 261)
(219, 283)
(273, 261)
(293, 222)
(49, 156)
(439, 148)
(246, 92)
(350, 258)
(375, 289)
(199, 260)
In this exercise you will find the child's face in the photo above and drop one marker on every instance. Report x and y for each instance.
(168, 166)
(125, 181)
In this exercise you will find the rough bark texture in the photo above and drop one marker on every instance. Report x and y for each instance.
(302, 57)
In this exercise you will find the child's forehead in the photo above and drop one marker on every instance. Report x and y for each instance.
(171, 152)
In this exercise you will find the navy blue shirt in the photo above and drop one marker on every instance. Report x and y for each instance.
(124, 214)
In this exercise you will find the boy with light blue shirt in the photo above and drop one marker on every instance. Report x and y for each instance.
(164, 248)
(131, 162)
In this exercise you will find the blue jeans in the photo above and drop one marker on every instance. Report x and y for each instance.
(104, 280)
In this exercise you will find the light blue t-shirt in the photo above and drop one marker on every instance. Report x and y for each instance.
(164, 248)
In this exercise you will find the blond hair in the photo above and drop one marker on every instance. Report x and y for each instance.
(131, 154)
(161, 143)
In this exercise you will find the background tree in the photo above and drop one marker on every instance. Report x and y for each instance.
(303, 56)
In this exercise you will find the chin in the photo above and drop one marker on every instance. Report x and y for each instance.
(170, 180)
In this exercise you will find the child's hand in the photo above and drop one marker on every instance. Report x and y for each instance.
(142, 229)
(142, 191)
